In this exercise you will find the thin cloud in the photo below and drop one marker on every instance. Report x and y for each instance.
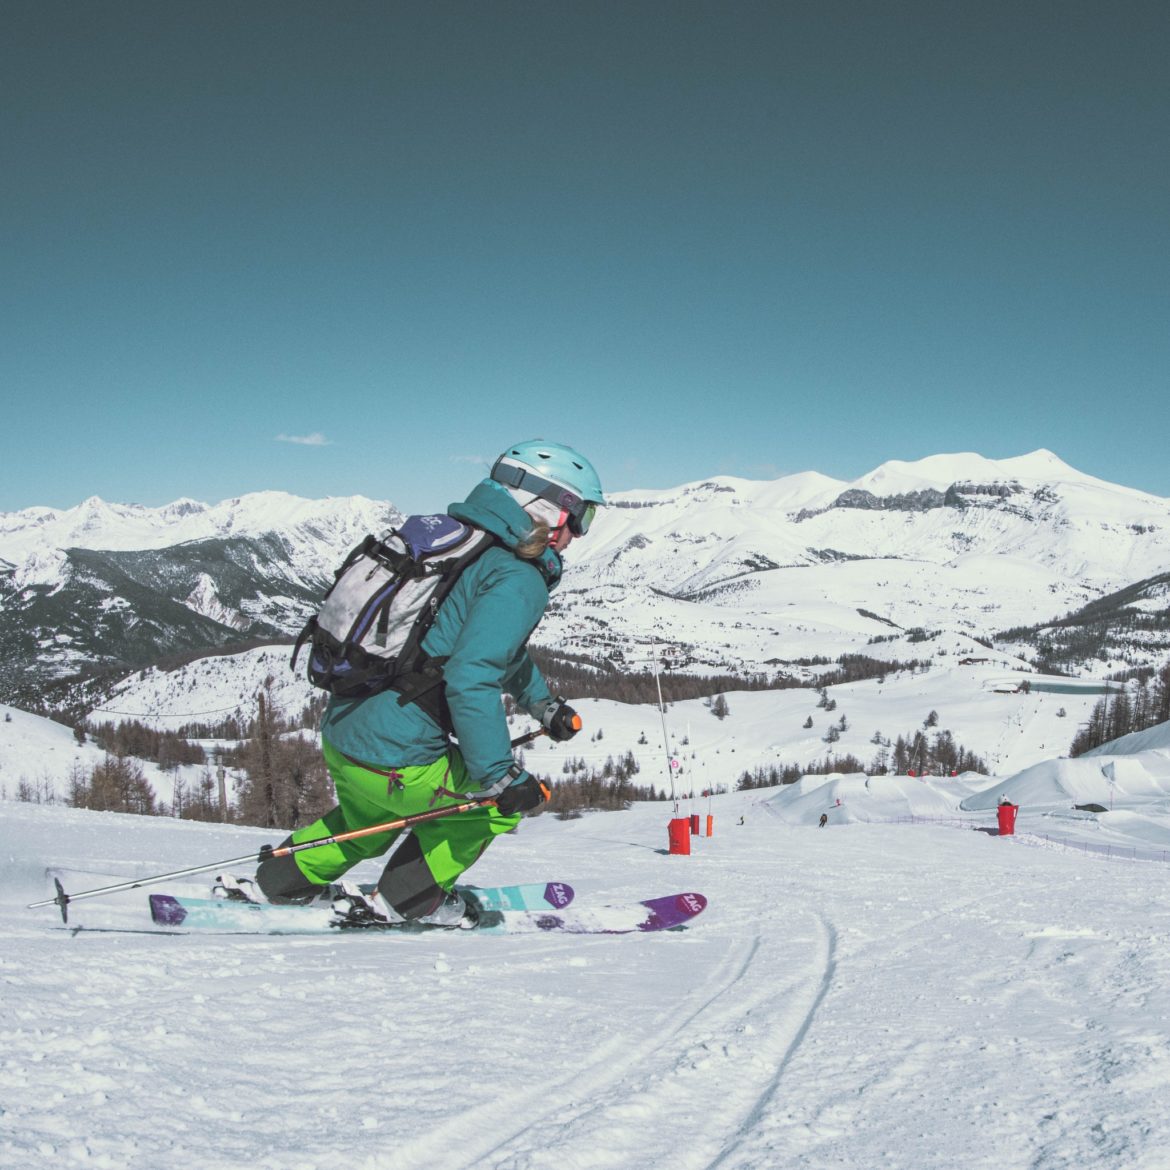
(474, 460)
(316, 439)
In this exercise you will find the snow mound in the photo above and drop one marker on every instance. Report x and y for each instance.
(1087, 780)
(853, 798)
(1153, 739)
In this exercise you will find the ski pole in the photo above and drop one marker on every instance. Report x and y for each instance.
(267, 852)
(529, 736)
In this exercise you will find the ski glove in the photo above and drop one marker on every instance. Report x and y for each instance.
(560, 720)
(524, 793)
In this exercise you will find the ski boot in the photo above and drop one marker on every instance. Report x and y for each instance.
(461, 910)
(454, 911)
(236, 889)
(354, 909)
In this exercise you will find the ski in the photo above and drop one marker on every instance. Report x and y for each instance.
(668, 913)
(179, 910)
(526, 909)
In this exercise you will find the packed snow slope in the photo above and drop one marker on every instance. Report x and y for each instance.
(921, 995)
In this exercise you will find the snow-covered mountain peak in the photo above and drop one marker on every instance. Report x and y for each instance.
(940, 472)
(177, 509)
(787, 492)
(937, 472)
(96, 524)
(745, 573)
(1041, 464)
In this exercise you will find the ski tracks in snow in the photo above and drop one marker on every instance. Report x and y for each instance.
(701, 1073)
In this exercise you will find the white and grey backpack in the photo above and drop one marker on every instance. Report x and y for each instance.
(367, 635)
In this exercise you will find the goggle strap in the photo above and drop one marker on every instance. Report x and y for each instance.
(512, 476)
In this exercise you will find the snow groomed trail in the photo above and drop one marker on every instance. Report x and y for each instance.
(868, 995)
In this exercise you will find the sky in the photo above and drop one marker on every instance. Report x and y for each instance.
(359, 248)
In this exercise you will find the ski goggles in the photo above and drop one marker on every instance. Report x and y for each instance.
(579, 512)
(579, 521)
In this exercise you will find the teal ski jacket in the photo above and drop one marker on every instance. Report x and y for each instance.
(482, 629)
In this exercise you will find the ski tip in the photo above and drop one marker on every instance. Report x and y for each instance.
(686, 905)
(673, 910)
(558, 894)
(166, 911)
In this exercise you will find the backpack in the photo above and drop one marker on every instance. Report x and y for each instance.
(367, 635)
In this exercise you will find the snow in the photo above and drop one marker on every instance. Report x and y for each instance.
(39, 532)
(940, 471)
(904, 988)
(744, 573)
(763, 728)
(40, 753)
(43, 755)
(739, 575)
(766, 728)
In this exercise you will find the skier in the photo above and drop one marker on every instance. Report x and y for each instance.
(390, 758)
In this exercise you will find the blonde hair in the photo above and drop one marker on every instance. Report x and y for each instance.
(534, 542)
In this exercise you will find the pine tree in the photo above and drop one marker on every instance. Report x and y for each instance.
(118, 784)
(1161, 706)
(258, 800)
(203, 803)
(286, 783)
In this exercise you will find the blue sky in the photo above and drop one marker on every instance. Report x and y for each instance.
(688, 238)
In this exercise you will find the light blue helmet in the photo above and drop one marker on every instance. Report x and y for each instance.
(553, 472)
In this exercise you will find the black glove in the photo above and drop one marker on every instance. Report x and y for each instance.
(560, 720)
(524, 793)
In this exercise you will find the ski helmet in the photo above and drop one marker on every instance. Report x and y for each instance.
(556, 473)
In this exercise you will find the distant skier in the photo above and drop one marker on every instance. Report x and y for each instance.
(391, 758)
(824, 820)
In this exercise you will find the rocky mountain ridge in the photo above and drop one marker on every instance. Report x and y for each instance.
(952, 555)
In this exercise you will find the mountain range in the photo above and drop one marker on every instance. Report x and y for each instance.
(109, 588)
(1023, 561)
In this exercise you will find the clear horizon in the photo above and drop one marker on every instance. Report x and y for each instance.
(961, 471)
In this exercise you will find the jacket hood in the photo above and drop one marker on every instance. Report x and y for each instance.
(490, 506)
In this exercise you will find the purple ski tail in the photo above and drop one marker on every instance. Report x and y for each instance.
(167, 911)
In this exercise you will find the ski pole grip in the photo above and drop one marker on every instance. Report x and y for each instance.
(560, 720)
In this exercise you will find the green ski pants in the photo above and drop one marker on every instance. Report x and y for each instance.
(365, 796)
